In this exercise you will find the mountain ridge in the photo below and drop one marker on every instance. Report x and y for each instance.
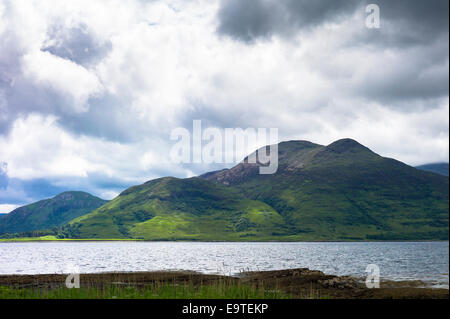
(50, 212)
(342, 191)
(437, 168)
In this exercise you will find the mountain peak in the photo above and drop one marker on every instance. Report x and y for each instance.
(345, 144)
(345, 152)
(161, 179)
(298, 143)
(71, 194)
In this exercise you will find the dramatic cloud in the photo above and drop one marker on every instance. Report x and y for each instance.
(91, 90)
(251, 20)
(408, 20)
(406, 58)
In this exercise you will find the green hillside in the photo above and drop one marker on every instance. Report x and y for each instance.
(179, 209)
(49, 213)
(346, 191)
(342, 191)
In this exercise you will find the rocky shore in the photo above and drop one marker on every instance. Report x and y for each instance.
(299, 283)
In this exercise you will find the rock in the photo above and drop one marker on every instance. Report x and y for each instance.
(340, 282)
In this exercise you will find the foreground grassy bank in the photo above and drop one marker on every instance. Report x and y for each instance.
(291, 283)
(155, 291)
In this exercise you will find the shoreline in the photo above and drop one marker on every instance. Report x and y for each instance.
(43, 240)
(293, 283)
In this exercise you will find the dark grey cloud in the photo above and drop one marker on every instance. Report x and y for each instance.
(407, 23)
(261, 19)
(419, 73)
(415, 30)
(414, 20)
(249, 20)
(430, 16)
(403, 87)
(23, 97)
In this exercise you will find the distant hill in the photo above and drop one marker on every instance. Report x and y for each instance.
(171, 209)
(342, 191)
(438, 168)
(49, 213)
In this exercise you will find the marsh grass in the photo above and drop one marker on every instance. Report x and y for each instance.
(163, 291)
(154, 285)
(156, 290)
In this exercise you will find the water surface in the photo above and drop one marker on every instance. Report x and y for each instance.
(426, 261)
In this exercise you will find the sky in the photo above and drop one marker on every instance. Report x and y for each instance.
(91, 90)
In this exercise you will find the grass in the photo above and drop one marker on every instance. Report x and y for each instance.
(221, 290)
(174, 209)
(54, 238)
(279, 284)
(24, 239)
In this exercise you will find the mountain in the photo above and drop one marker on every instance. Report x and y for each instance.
(49, 213)
(346, 191)
(342, 191)
(438, 168)
(171, 209)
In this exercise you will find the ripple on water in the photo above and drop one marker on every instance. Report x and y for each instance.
(397, 261)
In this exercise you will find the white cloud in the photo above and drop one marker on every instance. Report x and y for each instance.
(37, 147)
(7, 208)
(167, 66)
(64, 76)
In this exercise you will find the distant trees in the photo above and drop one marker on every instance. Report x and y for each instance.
(66, 231)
